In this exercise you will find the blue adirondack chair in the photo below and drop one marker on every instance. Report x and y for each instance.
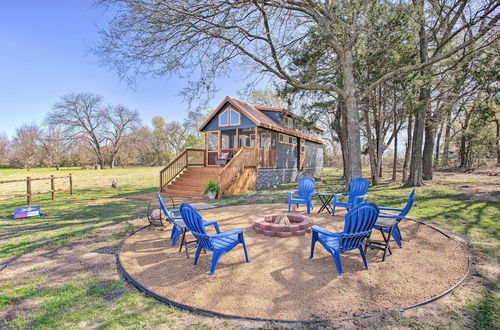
(219, 244)
(357, 191)
(359, 222)
(396, 233)
(179, 227)
(305, 194)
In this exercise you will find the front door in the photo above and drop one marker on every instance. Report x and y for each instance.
(212, 147)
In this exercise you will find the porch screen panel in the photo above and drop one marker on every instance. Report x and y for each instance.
(213, 147)
(267, 148)
(246, 137)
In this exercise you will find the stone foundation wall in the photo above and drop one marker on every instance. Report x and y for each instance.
(269, 177)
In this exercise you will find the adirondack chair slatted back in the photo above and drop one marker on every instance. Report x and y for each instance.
(358, 187)
(164, 208)
(358, 224)
(194, 222)
(408, 206)
(306, 187)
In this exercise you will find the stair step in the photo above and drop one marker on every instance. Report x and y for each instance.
(199, 177)
(186, 188)
(190, 184)
(183, 192)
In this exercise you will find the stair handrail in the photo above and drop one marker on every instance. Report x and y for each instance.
(245, 157)
(177, 165)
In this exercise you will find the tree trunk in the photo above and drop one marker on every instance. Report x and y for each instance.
(113, 160)
(497, 121)
(339, 125)
(379, 127)
(406, 161)
(371, 147)
(438, 142)
(395, 160)
(415, 177)
(430, 133)
(446, 144)
(352, 116)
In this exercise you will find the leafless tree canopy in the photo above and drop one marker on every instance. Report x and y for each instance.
(26, 146)
(202, 40)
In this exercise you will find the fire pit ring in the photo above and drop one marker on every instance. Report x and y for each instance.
(299, 225)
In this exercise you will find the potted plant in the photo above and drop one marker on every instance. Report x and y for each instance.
(211, 189)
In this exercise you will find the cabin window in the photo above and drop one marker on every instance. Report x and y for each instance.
(213, 138)
(229, 117)
(234, 118)
(267, 138)
(224, 118)
(287, 139)
(288, 122)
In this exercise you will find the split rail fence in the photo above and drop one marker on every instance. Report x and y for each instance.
(29, 192)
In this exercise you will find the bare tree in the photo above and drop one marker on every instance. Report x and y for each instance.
(122, 122)
(167, 36)
(26, 146)
(4, 148)
(54, 146)
(267, 98)
(80, 117)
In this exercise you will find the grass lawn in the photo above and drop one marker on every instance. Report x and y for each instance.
(89, 293)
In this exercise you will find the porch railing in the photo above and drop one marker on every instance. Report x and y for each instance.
(240, 173)
(189, 157)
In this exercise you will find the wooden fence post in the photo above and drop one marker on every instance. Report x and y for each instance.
(52, 187)
(28, 190)
(71, 184)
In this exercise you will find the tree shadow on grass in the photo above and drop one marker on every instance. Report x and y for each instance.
(87, 219)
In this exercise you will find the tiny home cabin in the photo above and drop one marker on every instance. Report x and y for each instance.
(257, 146)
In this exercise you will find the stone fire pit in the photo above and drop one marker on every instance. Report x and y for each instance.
(299, 225)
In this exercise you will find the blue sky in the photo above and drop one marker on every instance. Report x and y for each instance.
(45, 53)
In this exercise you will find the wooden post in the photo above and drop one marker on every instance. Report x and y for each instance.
(52, 187)
(28, 190)
(70, 184)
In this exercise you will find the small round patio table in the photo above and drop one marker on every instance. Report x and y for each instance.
(326, 200)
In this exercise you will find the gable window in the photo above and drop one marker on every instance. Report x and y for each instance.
(224, 118)
(234, 117)
(229, 117)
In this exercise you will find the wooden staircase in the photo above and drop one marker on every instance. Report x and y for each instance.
(192, 180)
(186, 175)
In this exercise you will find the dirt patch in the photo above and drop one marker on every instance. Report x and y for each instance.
(288, 285)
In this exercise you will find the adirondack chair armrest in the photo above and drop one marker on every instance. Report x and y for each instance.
(212, 223)
(233, 232)
(390, 209)
(336, 197)
(290, 193)
(361, 197)
(320, 230)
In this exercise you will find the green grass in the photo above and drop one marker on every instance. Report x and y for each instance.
(93, 302)
(85, 303)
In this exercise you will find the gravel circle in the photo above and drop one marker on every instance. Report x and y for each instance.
(281, 283)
